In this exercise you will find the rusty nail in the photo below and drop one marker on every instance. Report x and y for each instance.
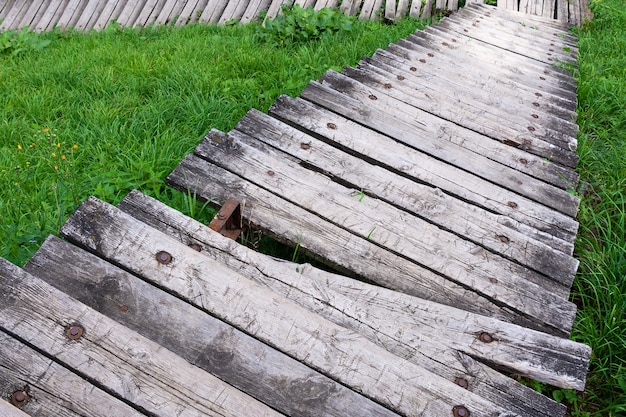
(460, 411)
(551, 50)
(536, 104)
(388, 85)
(512, 204)
(431, 54)
(331, 126)
(305, 146)
(270, 173)
(163, 257)
(493, 280)
(538, 94)
(531, 129)
(400, 77)
(465, 30)
(551, 45)
(526, 142)
(485, 337)
(373, 97)
(534, 116)
(523, 161)
(549, 54)
(542, 78)
(195, 247)
(221, 215)
(453, 40)
(413, 69)
(423, 61)
(462, 382)
(123, 308)
(19, 398)
(444, 43)
(74, 332)
(503, 239)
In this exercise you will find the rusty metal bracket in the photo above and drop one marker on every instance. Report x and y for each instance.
(227, 221)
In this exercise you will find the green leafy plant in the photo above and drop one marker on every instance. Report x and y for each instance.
(297, 25)
(15, 43)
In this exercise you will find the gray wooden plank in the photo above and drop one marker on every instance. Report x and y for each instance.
(279, 381)
(14, 15)
(416, 6)
(213, 11)
(109, 354)
(339, 352)
(348, 7)
(336, 297)
(90, 14)
(95, 16)
(254, 9)
(441, 85)
(111, 12)
(367, 9)
(390, 10)
(155, 12)
(402, 10)
(189, 13)
(47, 21)
(275, 6)
(53, 390)
(70, 14)
(130, 13)
(166, 13)
(437, 137)
(146, 11)
(5, 5)
(29, 17)
(233, 11)
(408, 236)
(363, 142)
(427, 10)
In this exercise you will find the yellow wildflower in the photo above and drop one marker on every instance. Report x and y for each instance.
(19, 146)
(63, 157)
(58, 145)
(75, 147)
(54, 155)
(46, 130)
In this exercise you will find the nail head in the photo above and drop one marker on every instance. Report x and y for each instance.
(163, 257)
(74, 332)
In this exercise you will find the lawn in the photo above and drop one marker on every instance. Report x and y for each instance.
(103, 113)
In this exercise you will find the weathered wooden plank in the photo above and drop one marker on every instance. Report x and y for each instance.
(8, 410)
(446, 87)
(90, 14)
(329, 294)
(213, 11)
(483, 66)
(390, 10)
(275, 8)
(468, 221)
(574, 12)
(127, 364)
(420, 168)
(29, 17)
(233, 11)
(166, 13)
(145, 13)
(483, 120)
(155, 12)
(409, 236)
(71, 13)
(254, 9)
(339, 352)
(189, 14)
(5, 5)
(416, 6)
(437, 137)
(47, 20)
(367, 9)
(111, 11)
(14, 16)
(236, 358)
(553, 76)
(515, 15)
(130, 13)
(427, 9)
(53, 390)
(402, 10)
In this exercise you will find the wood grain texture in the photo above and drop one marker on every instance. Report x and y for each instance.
(53, 389)
(339, 352)
(128, 365)
(204, 341)
(8, 410)
(376, 312)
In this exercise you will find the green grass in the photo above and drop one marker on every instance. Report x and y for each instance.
(600, 287)
(102, 113)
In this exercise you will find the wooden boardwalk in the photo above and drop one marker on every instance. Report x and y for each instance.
(434, 176)
(84, 15)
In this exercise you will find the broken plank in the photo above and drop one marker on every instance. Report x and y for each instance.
(53, 390)
(111, 355)
(338, 352)
(432, 135)
(424, 243)
(277, 380)
(365, 143)
(321, 292)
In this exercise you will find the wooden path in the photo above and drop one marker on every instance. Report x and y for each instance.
(435, 176)
(83, 15)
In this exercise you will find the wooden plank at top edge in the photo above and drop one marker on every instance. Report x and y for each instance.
(574, 12)
(347, 7)
(476, 63)
(341, 353)
(427, 9)
(254, 9)
(550, 26)
(29, 17)
(17, 22)
(517, 15)
(113, 356)
(453, 5)
(562, 11)
(237, 11)
(488, 122)
(4, 6)
(332, 3)
(45, 22)
(306, 116)
(130, 12)
(95, 16)
(213, 11)
(524, 6)
(145, 13)
(320, 4)
(539, 216)
(105, 16)
(549, 7)
(536, 7)
(515, 112)
(187, 13)
(380, 223)
(402, 10)
(447, 213)
(88, 14)
(12, 16)
(342, 250)
(53, 389)
(331, 295)
(441, 139)
(275, 8)
(367, 9)
(542, 30)
(390, 10)
(175, 13)
(406, 53)
(69, 14)
(416, 6)
(165, 14)
(155, 12)
(279, 381)
(8, 410)
(508, 41)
